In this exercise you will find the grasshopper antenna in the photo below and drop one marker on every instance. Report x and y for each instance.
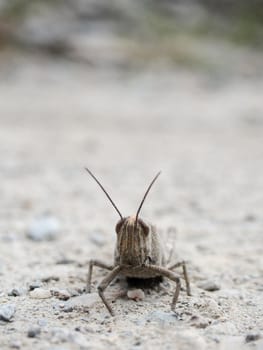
(103, 189)
(144, 197)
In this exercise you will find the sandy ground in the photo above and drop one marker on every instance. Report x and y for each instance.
(205, 134)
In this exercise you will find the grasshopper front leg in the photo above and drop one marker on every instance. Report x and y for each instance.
(187, 282)
(104, 284)
(98, 263)
(172, 276)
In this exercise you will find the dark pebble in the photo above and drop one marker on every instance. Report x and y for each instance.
(252, 337)
(68, 309)
(35, 284)
(33, 332)
(50, 278)
(65, 261)
(15, 292)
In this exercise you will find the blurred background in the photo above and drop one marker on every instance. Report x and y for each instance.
(128, 88)
(135, 34)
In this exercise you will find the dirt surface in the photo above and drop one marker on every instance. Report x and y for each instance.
(204, 134)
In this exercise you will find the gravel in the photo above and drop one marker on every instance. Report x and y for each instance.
(55, 121)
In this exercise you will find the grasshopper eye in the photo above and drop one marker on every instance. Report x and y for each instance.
(119, 225)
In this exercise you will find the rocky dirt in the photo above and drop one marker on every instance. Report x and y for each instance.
(204, 133)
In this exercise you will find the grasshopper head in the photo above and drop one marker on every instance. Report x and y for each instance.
(133, 238)
(133, 241)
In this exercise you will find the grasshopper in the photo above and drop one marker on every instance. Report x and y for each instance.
(139, 253)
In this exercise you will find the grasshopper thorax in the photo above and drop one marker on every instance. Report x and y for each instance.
(133, 242)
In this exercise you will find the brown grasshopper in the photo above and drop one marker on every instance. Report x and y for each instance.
(138, 253)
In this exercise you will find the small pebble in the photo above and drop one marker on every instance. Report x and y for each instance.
(15, 344)
(73, 292)
(40, 293)
(84, 301)
(209, 285)
(50, 278)
(61, 294)
(136, 294)
(42, 322)
(252, 337)
(162, 317)
(68, 309)
(222, 328)
(212, 309)
(33, 332)
(7, 311)
(17, 292)
(44, 228)
(65, 261)
(250, 217)
(35, 284)
(199, 322)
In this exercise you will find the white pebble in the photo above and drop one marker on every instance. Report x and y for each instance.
(40, 293)
(82, 301)
(209, 285)
(136, 294)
